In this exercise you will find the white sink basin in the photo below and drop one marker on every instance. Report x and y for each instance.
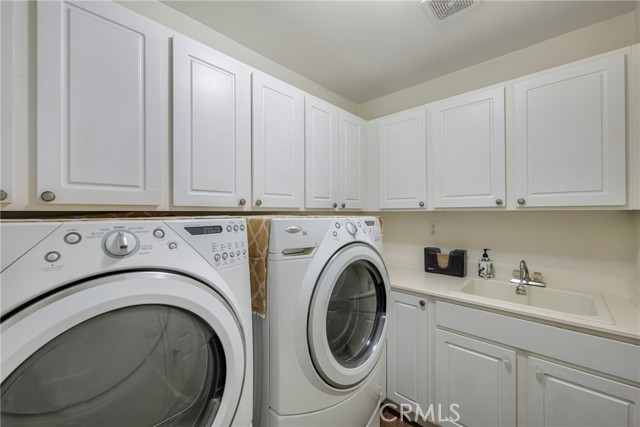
(571, 303)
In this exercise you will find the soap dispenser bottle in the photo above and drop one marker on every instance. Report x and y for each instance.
(485, 266)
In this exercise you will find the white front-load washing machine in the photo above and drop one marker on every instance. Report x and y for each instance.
(126, 323)
(324, 334)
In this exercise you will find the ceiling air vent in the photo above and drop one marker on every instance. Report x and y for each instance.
(443, 9)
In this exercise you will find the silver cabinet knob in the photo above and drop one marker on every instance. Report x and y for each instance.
(498, 202)
(3, 195)
(521, 201)
(422, 303)
(335, 205)
(242, 202)
(48, 196)
(421, 204)
(344, 205)
(258, 202)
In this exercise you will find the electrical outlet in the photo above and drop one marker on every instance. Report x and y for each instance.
(433, 229)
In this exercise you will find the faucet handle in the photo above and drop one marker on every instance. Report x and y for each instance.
(537, 277)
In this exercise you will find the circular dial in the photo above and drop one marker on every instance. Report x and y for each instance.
(120, 244)
(351, 228)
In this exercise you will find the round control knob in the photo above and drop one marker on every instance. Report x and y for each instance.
(235, 228)
(351, 228)
(120, 244)
(521, 201)
(258, 202)
(231, 254)
(498, 202)
(242, 202)
(225, 256)
(216, 257)
(241, 227)
(48, 196)
(229, 228)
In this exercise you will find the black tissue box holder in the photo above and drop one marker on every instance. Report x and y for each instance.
(453, 264)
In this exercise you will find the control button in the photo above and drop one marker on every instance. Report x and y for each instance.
(52, 256)
(351, 228)
(159, 233)
(238, 253)
(235, 228)
(335, 234)
(216, 257)
(225, 255)
(228, 228)
(231, 254)
(337, 225)
(120, 243)
(241, 227)
(172, 245)
(72, 238)
(244, 252)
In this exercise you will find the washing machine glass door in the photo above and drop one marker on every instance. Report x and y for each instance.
(131, 358)
(347, 320)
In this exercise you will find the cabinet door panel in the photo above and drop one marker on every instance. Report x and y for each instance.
(407, 352)
(562, 396)
(211, 143)
(478, 377)
(6, 102)
(570, 135)
(99, 83)
(403, 159)
(278, 142)
(468, 150)
(352, 134)
(321, 153)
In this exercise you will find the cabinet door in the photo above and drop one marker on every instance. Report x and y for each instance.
(475, 382)
(403, 160)
(99, 95)
(467, 151)
(6, 102)
(561, 396)
(407, 351)
(211, 127)
(352, 140)
(570, 136)
(321, 154)
(278, 143)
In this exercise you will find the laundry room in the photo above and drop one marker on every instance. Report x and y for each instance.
(320, 213)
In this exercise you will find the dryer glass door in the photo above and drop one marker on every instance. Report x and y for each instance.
(347, 321)
(131, 349)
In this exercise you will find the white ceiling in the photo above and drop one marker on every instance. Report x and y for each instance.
(362, 50)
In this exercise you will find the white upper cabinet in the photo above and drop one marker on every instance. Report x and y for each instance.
(100, 72)
(467, 151)
(570, 135)
(278, 143)
(6, 102)
(211, 127)
(321, 154)
(403, 160)
(352, 140)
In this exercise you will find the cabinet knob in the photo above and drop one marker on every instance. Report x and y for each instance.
(242, 202)
(48, 196)
(258, 202)
(3, 195)
(539, 373)
(521, 201)
(421, 204)
(344, 205)
(507, 361)
(422, 303)
(335, 205)
(498, 202)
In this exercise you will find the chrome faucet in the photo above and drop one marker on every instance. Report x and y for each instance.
(524, 278)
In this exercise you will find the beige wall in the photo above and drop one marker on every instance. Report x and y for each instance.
(587, 243)
(589, 41)
(183, 24)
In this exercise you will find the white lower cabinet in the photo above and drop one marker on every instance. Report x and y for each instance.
(567, 397)
(475, 382)
(407, 351)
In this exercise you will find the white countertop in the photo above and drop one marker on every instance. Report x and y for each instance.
(626, 316)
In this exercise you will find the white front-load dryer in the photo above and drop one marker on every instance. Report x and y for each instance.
(326, 324)
(126, 323)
